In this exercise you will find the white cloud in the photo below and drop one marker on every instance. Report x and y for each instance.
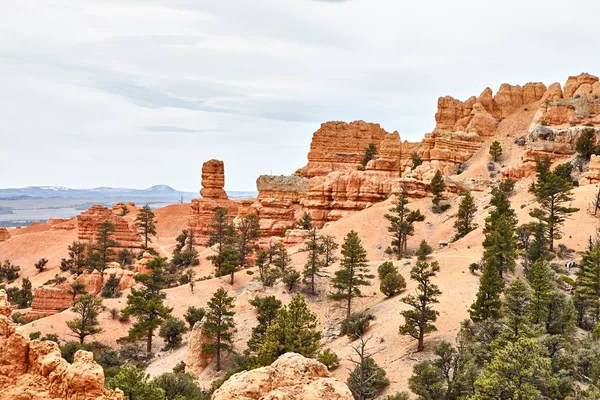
(141, 92)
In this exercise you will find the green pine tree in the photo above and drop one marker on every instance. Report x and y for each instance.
(220, 233)
(146, 224)
(354, 271)
(587, 288)
(367, 380)
(267, 308)
(294, 329)
(552, 192)
(102, 252)
(370, 152)
(305, 222)
(147, 304)
(314, 263)
(401, 226)
(136, 384)
(87, 307)
(219, 325)
(438, 185)
(329, 248)
(515, 309)
(465, 215)
(495, 150)
(540, 281)
(418, 320)
(518, 371)
(247, 236)
(487, 304)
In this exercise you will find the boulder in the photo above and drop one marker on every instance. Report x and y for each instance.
(290, 377)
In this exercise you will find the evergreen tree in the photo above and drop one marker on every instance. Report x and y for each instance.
(88, 307)
(24, 296)
(424, 250)
(146, 224)
(552, 192)
(248, 235)
(305, 222)
(392, 284)
(329, 248)
(487, 304)
(136, 384)
(401, 226)
(147, 304)
(500, 243)
(124, 210)
(438, 185)
(561, 316)
(368, 379)
(370, 152)
(180, 386)
(267, 308)
(415, 159)
(418, 320)
(294, 329)
(101, 253)
(465, 215)
(193, 315)
(110, 290)
(220, 233)
(495, 150)
(515, 309)
(41, 265)
(77, 258)
(76, 289)
(218, 324)
(518, 371)
(172, 331)
(353, 273)
(540, 281)
(314, 263)
(585, 144)
(587, 288)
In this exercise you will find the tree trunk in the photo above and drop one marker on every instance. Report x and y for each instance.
(149, 341)
(218, 352)
(349, 302)
(420, 345)
(232, 273)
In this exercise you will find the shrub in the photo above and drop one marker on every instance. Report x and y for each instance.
(194, 315)
(445, 207)
(111, 287)
(397, 396)
(35, 335)
(370, 152)
(367, 377)
(114, 313)
(416, 160)
(172, 331)
(18, 318)
(356, 324)
(385, 268)
(9, 271)
(392, 284)
(329, 359)
(179, 368)
(424, 250)
(179, 386)
(135, 354)
(461, 168)
(51, 337)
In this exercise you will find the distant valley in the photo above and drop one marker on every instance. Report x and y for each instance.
(24, 206)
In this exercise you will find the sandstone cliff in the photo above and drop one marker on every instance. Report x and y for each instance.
(4, 234)
(48, 301)
(34, 370)
(290, 377)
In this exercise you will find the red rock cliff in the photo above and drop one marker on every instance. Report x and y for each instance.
(89, 221)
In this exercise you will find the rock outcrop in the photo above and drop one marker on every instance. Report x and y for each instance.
(340, 146)
(213, 198)
(213, 180)
(48, 301)
(278, 202)
(592, 175)
(34, 370)
(4, 234)
(290, 377)
(197, 360)
(125, 231)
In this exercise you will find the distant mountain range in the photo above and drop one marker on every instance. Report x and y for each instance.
(162, 191)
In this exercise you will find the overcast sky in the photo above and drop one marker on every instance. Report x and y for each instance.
(136, 93)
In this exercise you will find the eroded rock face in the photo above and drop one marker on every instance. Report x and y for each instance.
(48, 301)
(34, 370)
(592, 175)
(278, 202)
(290, 377)
(125, 233)
(213, 180)
(4, 234)
(340, 146)
(197, 360)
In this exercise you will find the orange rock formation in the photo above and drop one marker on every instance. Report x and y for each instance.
(290, 377)
(34, 370)
(89, 221)
(48, 301)
(4, 234)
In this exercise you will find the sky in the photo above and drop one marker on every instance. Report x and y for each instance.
(132, 93)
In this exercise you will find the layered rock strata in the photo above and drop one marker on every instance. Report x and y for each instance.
(125, 233)
(48, 301)
(278, 202)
